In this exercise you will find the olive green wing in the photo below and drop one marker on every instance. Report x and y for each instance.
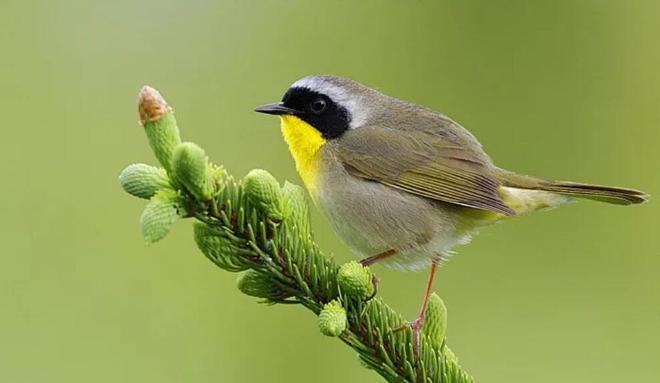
(423, 163)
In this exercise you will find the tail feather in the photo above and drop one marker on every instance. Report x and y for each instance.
(614, 195)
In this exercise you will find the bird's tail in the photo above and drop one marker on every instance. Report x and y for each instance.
(613, 195)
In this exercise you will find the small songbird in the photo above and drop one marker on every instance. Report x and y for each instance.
(402, 184)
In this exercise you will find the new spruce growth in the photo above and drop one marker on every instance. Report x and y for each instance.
(355, 280)
(332, 319)
(143, 181)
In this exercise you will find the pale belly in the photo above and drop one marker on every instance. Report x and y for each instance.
(372, 218)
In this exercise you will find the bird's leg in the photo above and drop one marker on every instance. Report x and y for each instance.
(375, 258)
(417, 325)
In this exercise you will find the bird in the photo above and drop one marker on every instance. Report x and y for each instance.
(401, 184)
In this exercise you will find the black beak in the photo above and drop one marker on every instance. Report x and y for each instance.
(276, 109)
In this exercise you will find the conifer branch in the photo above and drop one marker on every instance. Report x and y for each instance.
(255, 227)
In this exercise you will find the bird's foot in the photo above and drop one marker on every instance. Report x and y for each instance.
(416, 328)
(376, 283)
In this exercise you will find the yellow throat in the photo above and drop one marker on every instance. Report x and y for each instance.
(305, 144)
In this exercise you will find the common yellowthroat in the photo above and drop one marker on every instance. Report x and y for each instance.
(402, 184)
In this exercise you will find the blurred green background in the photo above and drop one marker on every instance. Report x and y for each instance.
(566, 89)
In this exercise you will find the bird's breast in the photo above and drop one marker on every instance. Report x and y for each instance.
(305, 144)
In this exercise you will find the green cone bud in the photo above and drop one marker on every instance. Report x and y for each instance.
(355, 280)
(263, 191)
(220, 250)
(332, 319)
(142, 180)
(435, 325)
(297, 209)
(159, 216)
(157, 118)
(191, 169)
(256, 284)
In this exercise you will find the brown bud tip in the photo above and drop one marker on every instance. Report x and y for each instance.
(151, 105)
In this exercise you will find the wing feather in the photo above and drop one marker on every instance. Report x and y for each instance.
(425, 164)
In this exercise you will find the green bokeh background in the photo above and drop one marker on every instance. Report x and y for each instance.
(565, 89)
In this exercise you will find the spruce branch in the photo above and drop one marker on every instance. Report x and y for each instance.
(255, 227)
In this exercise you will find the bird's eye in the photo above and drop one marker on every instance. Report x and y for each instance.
(317, 106)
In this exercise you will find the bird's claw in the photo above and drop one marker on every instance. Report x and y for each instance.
(376, 283)
(416, 327)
